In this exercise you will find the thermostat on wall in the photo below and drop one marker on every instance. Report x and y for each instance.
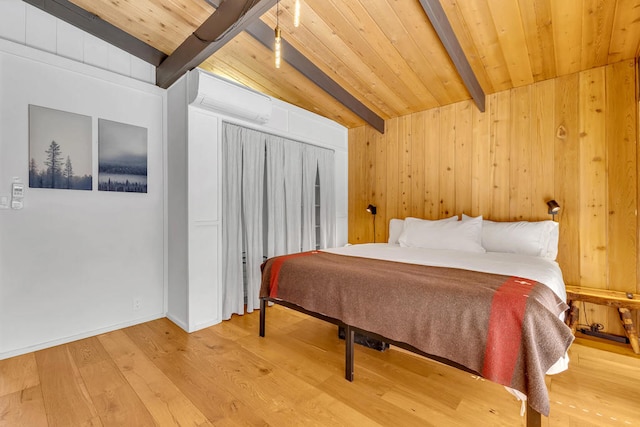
(17, 194)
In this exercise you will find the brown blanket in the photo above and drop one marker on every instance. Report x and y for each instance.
(506, 329)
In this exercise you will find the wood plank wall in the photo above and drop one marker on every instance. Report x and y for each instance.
(572, 139)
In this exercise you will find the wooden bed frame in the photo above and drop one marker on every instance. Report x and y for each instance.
(534, 418)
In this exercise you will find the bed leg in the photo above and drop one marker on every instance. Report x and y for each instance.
(349, 341)
(533, 417)
(263, 315)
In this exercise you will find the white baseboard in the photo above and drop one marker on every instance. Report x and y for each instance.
(83, 335)
(204, 325)
(181, 323)
(187, 328)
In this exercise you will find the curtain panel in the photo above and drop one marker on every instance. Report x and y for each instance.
(270, 207)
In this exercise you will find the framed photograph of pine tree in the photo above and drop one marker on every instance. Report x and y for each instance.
(122, 157)
(60, 149)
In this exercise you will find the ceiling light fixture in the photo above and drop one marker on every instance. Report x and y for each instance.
(278, 47)
(296, 14)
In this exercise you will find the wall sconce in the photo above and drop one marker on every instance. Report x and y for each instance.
(554, 208)
(373, 210)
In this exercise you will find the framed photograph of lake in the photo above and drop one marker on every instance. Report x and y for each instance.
(60, 149)
(122, 157)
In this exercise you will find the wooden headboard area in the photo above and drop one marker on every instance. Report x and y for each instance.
(572, 139)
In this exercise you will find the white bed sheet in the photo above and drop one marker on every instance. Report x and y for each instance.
(541, 270)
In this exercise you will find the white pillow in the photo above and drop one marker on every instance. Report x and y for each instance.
(396, 226)
(539, 238)
(395, 229)
(554, 239)
(444, 234)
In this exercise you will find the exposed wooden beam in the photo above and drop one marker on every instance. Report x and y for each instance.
(92, 24)
(443, 28)
(265, 35)
(229, 19)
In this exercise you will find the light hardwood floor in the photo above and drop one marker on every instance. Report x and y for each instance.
(156, 374)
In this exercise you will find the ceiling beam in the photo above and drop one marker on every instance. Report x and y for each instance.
(443, 28)
(229, 19)
(92, 24)
(265, 35)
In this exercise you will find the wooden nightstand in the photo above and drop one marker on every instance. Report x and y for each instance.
(616, 299)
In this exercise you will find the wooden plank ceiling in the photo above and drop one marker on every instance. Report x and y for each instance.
(386, 53)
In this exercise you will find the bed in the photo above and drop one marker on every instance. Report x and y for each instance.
(436, 290)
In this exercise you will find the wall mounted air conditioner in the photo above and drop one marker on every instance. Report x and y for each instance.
(222, 96)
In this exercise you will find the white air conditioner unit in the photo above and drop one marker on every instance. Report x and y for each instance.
(222, 96)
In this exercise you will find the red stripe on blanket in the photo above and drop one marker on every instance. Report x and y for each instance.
(275, 270)
(503, 341)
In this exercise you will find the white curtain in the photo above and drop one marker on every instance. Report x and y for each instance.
(269, 207)
(309, 173)
(252, 209)
(293, 194)
(326, 171)
(232, 281)
(242, 225)
(276, 209)
(284, 196)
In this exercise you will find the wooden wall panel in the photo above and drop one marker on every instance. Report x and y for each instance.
(463, 156)
(404, 165)
(380, 184)
(593, 203)
(357, 187)
(481, 166)
(419, 131)
(622, 200)
(542, 147)
(499, 140)
(372, 171)
(447, 163)
(520, 155)
(431, 159)
(391, 139)
(621, 166)
(567, 170)
(572, 139)
(593, 188)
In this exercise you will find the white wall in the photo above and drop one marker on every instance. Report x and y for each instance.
(27, 25)
(71, 261)
(177, 201)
